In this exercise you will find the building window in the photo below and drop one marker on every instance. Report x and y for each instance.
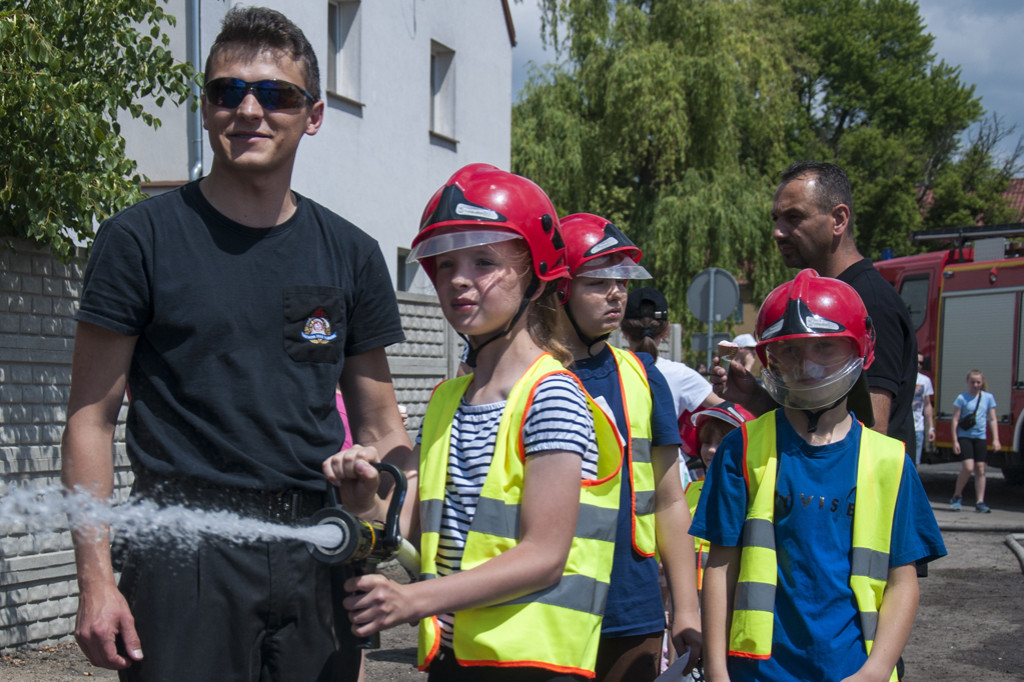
(343, 53)
(442, 91)
(405, 272)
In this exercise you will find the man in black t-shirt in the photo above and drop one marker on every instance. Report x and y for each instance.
(813, 216)
(231, 309)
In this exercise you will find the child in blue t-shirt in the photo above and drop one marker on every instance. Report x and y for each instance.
(815, 522)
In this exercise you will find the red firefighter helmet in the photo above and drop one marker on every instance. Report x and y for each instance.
(482, 204)
(597, 248)
(809, 306)
(811, 377)
(690, 423)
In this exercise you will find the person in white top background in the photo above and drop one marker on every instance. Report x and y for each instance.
(924, 412)
(644, 326)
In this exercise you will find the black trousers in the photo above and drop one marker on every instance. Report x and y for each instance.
(260, 612)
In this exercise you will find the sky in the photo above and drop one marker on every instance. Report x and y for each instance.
(983, 37)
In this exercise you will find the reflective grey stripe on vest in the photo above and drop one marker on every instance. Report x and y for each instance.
(640, 450)
(576, 592)
(870, 563)
(640, 453)
(644, 502)
(494, 517)
(759, 533)
(430, 516)
(869, 624)
(597, 523)
(755, 597)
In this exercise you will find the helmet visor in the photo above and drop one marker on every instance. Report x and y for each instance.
(811, 373)
(459, 239)
(613, 267)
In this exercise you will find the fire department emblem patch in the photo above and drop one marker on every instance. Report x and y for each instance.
(318, 328)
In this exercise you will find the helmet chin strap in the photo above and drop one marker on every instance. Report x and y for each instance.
(814, 416)
(527, 297)
(588, 341)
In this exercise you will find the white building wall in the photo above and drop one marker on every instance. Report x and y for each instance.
(375, 164)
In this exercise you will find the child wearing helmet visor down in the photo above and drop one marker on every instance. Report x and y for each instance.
(653, 516)
(515, 501)
(815, 522)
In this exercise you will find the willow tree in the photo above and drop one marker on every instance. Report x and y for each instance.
(669, 118)
(875, 98)
(70, 69)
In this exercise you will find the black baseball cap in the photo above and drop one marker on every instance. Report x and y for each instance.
(646, 302)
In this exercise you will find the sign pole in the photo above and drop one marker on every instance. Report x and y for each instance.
(711, 315)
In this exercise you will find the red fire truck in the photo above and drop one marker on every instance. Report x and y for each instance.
(969, 314)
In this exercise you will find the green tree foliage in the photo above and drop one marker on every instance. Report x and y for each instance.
(970, 190)
(69, 68)
(674, 118)
(874, 99)
(666, 118)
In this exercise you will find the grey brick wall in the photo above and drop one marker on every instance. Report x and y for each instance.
(38, 298)
(37, 570)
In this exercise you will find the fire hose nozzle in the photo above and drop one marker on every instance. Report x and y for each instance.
(357, 544)
(352, 541)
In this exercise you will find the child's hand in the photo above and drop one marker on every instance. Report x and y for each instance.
(686, 633)
(355, 478)
(376, 603)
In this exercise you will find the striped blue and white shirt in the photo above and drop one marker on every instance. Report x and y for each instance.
(558, 420)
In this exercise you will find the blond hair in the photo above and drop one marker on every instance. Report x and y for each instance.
(545, 319)
(978, 373)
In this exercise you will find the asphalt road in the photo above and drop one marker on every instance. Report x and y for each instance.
(970, 621)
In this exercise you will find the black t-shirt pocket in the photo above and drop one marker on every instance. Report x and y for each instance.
(314, 323)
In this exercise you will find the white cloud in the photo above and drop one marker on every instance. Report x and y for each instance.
(526, 19)
(983, 38)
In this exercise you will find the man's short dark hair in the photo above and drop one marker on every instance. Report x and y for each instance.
(251, 30)
(831, 189)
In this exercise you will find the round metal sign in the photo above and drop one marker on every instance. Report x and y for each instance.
(713, 295)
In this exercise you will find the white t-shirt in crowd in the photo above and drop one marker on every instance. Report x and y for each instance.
(689, 389)
(921, 393)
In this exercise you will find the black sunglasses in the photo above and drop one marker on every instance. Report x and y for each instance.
(271, 94)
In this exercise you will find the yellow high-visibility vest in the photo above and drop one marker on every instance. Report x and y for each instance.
(879, 470)
(557, 628)
(638, 406)
(700, 546)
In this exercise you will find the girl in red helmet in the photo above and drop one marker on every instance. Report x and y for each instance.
(653, 517)
(513, 498)
(815, 522)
